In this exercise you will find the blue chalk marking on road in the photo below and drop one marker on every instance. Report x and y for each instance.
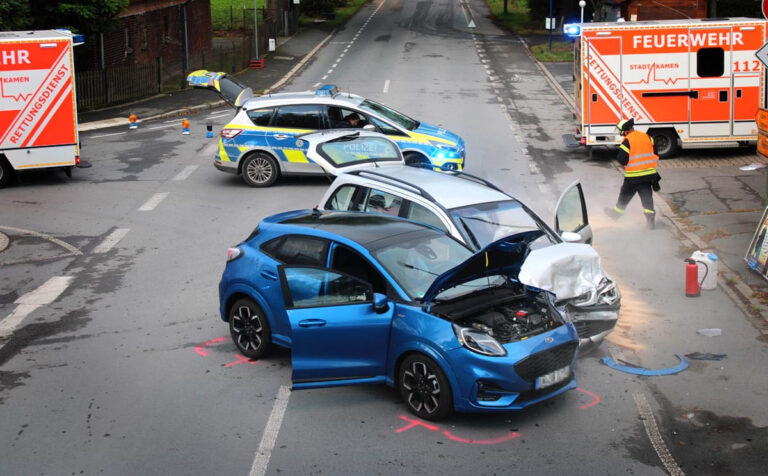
(641, 371)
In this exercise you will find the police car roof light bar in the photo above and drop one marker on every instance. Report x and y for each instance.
(327, 90)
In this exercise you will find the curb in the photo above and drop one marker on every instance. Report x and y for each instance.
(729, 281)
(185, 111)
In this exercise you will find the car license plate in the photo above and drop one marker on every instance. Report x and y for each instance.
(547, 380)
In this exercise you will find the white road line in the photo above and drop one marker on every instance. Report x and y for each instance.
(170, 121)
(386, 86)
(646, 414)
(263, 454)
(161, 127)
(221, 114)
(153, 201)
(330, 71)
(323, 78)
(111, 240)
(335, 64)
(186, 172)
(107, 135)
(27, 303)
(63, 244)
(316, 84)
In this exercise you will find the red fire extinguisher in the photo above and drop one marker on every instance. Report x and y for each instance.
(692, 284)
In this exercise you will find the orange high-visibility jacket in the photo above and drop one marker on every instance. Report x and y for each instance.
(642, 159)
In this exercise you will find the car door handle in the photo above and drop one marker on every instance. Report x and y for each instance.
(282, 136)
(269, 275)
(312, 323)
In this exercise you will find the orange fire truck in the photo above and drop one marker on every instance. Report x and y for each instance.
(691, 81)
(38, 111)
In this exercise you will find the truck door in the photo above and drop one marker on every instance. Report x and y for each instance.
(747, 78)
(604, 81)
(711, 82)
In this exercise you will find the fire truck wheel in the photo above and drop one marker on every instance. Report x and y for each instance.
(665, 142)
(6, 172)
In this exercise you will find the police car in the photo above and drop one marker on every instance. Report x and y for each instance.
(262, 137)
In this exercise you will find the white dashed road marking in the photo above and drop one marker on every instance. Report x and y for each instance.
(27, 303)
(186, 172)
(153, 201)
(386, 86)
(263, 454)
(111, 240)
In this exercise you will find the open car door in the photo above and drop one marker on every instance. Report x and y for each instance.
(339, 338)
(571, 217)
(346, 150)
(230, 89)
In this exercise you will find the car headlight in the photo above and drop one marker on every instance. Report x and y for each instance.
(606, 293)
(478, 341)
(444, 151)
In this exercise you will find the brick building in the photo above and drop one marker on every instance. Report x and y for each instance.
(640, 10)
(148, 29)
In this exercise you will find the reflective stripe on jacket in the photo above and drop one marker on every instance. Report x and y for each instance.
(642, 159)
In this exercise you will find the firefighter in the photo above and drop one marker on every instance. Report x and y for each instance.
(639, 159)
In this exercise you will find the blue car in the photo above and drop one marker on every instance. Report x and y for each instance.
(361, 298)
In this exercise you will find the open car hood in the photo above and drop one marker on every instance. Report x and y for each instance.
(502, 257)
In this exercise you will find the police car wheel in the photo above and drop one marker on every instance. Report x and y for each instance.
(260, 170)
(414, 158)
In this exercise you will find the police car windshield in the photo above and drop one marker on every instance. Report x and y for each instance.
(397, 117)
(488, 222)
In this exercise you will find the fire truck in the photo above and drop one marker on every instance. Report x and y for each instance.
(38, 110)
(685, 82)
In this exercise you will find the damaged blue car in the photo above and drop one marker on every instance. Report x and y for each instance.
(362, 298)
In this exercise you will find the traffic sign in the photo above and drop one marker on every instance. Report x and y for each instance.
(762, 54)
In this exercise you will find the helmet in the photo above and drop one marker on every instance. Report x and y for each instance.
(625, 125)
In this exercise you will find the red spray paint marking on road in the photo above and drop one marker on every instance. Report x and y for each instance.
(593, 402)
(199, 349)
(241, 360)
(413, 422)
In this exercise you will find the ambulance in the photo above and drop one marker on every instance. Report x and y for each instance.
(693, 82)
(38, 110)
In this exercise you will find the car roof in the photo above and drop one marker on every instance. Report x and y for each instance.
(303, 97)
(372, 231)
(449, 190)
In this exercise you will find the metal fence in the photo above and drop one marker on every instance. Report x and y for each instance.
(124, 83)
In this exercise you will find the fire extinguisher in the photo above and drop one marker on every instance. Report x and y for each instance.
(692, 284)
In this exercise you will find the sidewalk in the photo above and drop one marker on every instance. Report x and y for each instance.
(279, 67)
(712, 204)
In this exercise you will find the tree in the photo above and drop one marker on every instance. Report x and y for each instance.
(83, 16)
(14, 15)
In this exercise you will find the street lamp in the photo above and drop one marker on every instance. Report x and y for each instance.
(582, 4)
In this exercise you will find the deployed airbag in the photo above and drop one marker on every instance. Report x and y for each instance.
(567, 269)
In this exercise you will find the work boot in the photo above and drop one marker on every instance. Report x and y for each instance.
(613, 213)
(650, 221)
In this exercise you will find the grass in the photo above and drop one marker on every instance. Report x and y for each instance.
(561, 51)
(228, 14)
(516, 18)
(340, 14)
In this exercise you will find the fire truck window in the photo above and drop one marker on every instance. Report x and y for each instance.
(710, 62)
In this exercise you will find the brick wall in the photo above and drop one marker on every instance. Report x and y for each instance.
(664, 9)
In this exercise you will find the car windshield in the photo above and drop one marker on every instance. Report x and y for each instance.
(415, 264)
(488, 222)
(397, 117)
(348, 150)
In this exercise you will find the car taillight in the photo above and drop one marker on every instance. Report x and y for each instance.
(230, 133)
(233, 254)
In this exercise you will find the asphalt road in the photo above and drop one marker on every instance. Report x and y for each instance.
(121, 365)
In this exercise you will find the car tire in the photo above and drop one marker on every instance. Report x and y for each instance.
(6, 172)
(415, 159)
(260, 170)
(424, 388)
(249, 329)
(665, 142)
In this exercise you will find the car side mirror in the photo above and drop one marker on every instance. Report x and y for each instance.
(570, 237)
(369, 127)
(380, 303)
